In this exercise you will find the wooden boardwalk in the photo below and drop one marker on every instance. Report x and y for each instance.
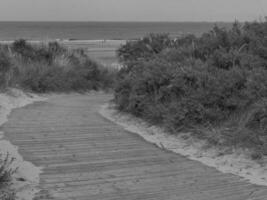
(86, 157)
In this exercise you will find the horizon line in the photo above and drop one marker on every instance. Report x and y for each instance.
(130, 21)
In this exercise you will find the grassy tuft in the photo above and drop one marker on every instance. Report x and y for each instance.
(6, 172)
(214, 85)
(50, 68)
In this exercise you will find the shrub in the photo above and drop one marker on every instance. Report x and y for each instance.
(144, 48)
(5, 69)
(6, 172)
(217, 80)
(44, 68)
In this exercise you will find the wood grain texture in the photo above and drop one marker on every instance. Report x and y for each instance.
(86, 157)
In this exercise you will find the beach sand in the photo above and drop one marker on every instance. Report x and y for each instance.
(26, 178)
(236, 162)
(102, 51)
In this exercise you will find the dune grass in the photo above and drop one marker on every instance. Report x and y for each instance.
(214, 85)
(51, 68)
(6, 172)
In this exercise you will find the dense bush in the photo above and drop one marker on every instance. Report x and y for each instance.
(144, 48)
(218, 80)
(44, 68)
(6, 172)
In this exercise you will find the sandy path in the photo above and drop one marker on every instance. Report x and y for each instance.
(86, 157)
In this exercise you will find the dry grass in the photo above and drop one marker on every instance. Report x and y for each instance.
(6, 172)
(51, 67)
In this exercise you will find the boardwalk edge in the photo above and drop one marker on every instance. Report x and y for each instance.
(237, 163)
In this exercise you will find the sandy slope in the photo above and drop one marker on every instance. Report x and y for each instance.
(26, 177)
(235, 162)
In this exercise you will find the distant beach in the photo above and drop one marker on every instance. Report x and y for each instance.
(102, 51)
(99, 39)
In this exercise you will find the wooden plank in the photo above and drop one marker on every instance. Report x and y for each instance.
(86, 157)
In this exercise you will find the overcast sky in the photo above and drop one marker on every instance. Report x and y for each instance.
(132, 10)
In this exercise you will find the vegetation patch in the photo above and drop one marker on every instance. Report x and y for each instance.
(214, 85)
(6, 172)
(50, 68)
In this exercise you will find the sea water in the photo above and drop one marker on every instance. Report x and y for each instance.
(98, 30)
